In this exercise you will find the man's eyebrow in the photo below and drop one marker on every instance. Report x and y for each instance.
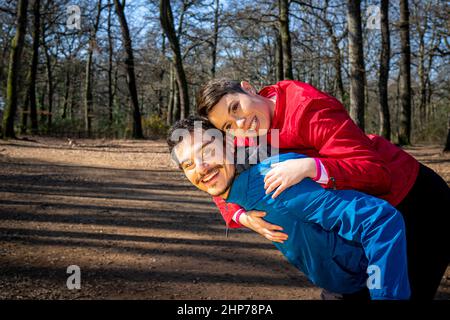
(207, 142)
(202, 146)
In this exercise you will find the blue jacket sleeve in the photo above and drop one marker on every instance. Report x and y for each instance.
(379, 228)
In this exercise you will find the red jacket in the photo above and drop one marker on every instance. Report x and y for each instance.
(314, 123)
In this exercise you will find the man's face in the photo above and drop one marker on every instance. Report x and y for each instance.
(243, 115)
(203, 160)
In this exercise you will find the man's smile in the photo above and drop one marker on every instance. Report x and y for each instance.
(209, 178)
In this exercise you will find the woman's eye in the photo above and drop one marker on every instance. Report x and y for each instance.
(234, 107)
(227, 127)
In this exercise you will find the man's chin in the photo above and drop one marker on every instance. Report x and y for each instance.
(217, 192)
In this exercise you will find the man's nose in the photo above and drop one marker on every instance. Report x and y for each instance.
(202, 166)
(240, 123)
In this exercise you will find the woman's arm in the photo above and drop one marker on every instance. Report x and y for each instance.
(349, 158)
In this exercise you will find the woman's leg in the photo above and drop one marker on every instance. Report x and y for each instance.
(426, 211)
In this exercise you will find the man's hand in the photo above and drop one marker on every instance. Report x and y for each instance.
(287, 173)
(253, 220)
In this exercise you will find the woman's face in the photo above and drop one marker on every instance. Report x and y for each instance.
(242, 115)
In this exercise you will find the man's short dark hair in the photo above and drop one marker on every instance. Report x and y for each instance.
(189, 125)
(212, 91)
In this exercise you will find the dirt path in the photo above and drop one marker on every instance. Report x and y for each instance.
(135, 227)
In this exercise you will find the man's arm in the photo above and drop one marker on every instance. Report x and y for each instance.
(235, 217)
(228, 210)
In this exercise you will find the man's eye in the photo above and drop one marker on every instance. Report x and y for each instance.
(234, 107)
(207, 152)
(187, 165)
(227, 127)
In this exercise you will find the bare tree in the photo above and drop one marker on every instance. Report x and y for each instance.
(285, 38)
(166, 18)
(14, 69)
(215, 38)
(356, 57)
(385, 125)
(32, 75)
(404, 134)
(129, 62)
(88, 99)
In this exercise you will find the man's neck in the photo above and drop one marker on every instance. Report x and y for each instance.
(225, 194)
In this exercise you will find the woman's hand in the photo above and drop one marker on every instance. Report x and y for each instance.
(287, 173)
(253, 220)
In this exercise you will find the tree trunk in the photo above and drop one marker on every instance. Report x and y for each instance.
(166, 19)
(50, 88)
(66, 92)
(89, 97)
(385, 126)
(110, 67)
(356, 58)
(447, 142)
(285, 38)
(34, 65)
(215, 39)
(13, 70)
(405, 76)
(171, 96)
(279, 57)
(25, 112)
(131, 77)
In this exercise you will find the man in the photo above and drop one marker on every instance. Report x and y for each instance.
(334, 236)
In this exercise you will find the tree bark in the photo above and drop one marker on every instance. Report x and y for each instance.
(50, 87)
(110, 66)
(279, 57)
(215, 38)
(285, 38)
(404, 136)
(34, 65)
(166, 19)
(13, 70)
(385, 126)
(31, 110)
(171, 97)
(356, 58)
(447, 142)
(66, 92)
(131, 77)
(89, 96)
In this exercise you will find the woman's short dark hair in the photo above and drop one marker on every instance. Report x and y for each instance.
(212, 91)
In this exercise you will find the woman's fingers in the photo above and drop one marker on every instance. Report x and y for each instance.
(269, 178)
(273, 185)
(280, 189)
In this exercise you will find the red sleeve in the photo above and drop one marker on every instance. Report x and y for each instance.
(227, 210)
(345, 151)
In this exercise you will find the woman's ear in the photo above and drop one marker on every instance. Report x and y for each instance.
(248, 87)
